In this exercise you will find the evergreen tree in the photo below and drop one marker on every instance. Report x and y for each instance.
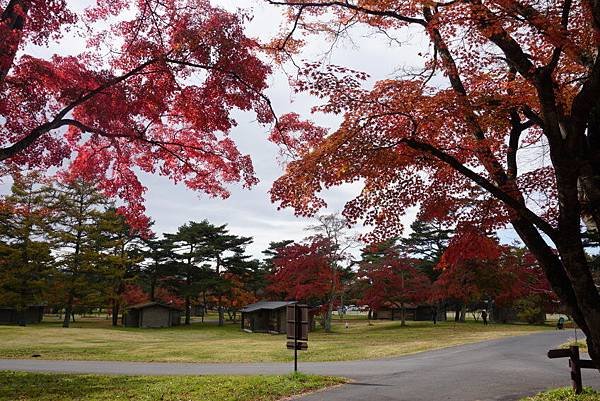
(117, 247)
(189, 259)
(25, 261)
(78, 207)
(427, 242)
(154, 264)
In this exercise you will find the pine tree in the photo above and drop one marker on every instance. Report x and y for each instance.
(117, 246)
(427, 242)
(78, 207)
(25, 261)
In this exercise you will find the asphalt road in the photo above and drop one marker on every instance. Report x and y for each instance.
(504, 369)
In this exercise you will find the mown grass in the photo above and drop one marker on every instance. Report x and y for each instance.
(565, 394)
(94, 339)
(62, 387)
(581, 343)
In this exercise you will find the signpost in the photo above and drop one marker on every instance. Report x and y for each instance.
(575, 363)
(297, 330)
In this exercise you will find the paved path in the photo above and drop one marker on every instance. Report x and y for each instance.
(503, 369)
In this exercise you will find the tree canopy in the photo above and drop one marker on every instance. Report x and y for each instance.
(153, 91)
(500, 126)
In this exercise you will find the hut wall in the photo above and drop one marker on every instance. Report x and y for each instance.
(383, 314)
(131, 318)
(175, 318)
(33, 314)
(155, 316)
(7, 315)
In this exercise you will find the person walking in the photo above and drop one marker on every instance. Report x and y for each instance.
(484, 316)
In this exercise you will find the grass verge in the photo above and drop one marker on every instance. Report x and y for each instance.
(62, 387)
(565, 394)
(95, 339)
(581, 343)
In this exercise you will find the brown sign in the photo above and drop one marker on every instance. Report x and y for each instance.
(299, 345)
(297, 322)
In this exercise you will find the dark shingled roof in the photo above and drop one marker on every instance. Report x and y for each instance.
(148, 304)
(269, 305)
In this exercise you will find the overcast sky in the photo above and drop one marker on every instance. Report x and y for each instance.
(250, 212)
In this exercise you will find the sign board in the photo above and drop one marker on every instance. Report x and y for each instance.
(299, 346)
(297, 322)
(297, 329)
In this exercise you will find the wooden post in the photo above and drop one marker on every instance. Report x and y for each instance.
(575, 370)
(296, 321)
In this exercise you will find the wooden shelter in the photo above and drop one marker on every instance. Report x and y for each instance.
(265, 316)
(32, 314)
(152, 315)
(412, 312)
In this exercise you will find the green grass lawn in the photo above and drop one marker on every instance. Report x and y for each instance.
(565, 394)
(61, 387)
(94, 339)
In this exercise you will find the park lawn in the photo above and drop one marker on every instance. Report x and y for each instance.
(94, 339)
(565, 394)
(63, 387)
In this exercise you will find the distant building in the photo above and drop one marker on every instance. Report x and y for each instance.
(412, 312)
(33, 314)
(270, 317)
(152, 315)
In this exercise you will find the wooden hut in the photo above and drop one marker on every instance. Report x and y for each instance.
(265, 316)
(412, 312)
(152, 315)
(32, 314)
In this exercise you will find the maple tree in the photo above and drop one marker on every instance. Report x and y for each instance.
(393, 281)
(476, 268)
(500, 126)
(237, 294)
(303, 273)
(133, 294)
(152, 92)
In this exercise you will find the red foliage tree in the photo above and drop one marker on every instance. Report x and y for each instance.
(502, 125)
(152, 92)
(393, 281)
(304, 272)
(134, 294)
(167, 297)
(476, 267)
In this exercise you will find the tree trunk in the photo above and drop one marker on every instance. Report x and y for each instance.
(463, 313)
(115, 312)
(221, 312)
(188, 310)
(402, 314)
(328, 316)
(68, 311)
(67, 317)
(15, 21)
(457, 313)
(153, 290)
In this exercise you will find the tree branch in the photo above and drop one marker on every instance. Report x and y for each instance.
(58, 120)
(556, 34)
(347, 5)
(483, 182)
